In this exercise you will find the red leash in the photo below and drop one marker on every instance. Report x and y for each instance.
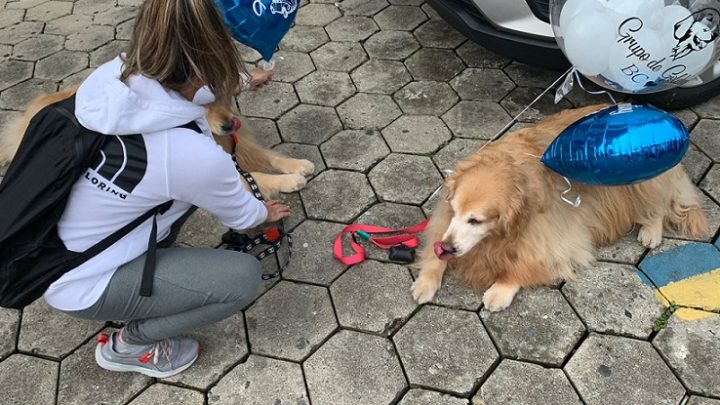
(406, 238)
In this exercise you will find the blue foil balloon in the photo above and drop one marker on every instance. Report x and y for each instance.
(259, 24)
(622, 144)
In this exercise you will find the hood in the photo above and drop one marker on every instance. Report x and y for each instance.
(107, 105)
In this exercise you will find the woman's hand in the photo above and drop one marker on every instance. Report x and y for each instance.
(276, 211)
(260, 78)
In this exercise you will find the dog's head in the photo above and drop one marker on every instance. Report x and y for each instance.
(221, 118)
(489, 196)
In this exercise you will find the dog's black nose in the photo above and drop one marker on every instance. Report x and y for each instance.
(448, 247)
(227, 127)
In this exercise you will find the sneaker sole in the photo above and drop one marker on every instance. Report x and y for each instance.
(126, 368)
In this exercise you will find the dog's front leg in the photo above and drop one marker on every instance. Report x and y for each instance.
(500, 295)
(429, 280)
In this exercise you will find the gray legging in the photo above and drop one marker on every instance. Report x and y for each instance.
(192, 287)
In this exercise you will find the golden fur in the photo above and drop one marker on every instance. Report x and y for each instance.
(521, 234)
(259, 161)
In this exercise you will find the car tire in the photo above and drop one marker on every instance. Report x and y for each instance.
(682, 97)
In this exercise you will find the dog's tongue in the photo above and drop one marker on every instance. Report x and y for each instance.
(441, 253)
(236, 124)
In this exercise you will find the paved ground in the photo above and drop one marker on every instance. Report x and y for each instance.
(383, 98)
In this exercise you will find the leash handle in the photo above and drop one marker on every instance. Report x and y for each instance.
(366, 232)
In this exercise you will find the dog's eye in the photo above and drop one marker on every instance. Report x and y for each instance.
(473, 221)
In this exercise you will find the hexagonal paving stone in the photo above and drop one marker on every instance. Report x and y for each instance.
(373, 297)
(9, 327)
(475, 55)
(521, 97)
(362, 7)
(290, 320)
(297, 213)
(340, 56)
(90, 38)
(695, 163)
(416, 134)
(255, 382)
(19, 95)
(301, 151)
(49, 11)
(380, 76)
(272, 102)
(695, 400)
(539, 326)
(13, 72)
(476, 119)
(294, 125)
(482, 84)
(75, 79)
(454, 152)
(69, 24)
(395, 45)
(434, 64)
(49, 332)
(337, 196)
(163, 393)
(304, 38)
(417, 396)
(325, 88)
(92, 7)
(530, 76)
(5, 51)
(703, 135)
(711, 182)
(223, 345)
(354, 368)
(108, 52)
(28, 380)
(404, 18)
(445, 349)
(439, 34)
(368, 111)
(389, 215)
(17, 33)
(692, 350)
(11, 17)
(202, 229)
(426, 97)
(708, 109)
(351, 29)
(616, 370)
(264, 130)
(612, 298)
(61, 65)
(405, 178)
(354, 149)
(292, 66)
(514, 382)
(317, 14)
(38, 47)
(626, 250)
(115, 15)
(108, 387)
(312, 259)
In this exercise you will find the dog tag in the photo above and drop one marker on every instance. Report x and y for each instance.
(402, 254)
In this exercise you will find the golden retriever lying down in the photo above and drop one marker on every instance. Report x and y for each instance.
(251, 157)
(503, 225)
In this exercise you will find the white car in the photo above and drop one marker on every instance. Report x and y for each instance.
(520, 30)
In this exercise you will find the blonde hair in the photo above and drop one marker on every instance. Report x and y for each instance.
(178, 42)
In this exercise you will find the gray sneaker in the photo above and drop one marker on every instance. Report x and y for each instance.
(160, 360)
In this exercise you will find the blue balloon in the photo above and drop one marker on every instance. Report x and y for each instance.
(259, 24)
(619, 145)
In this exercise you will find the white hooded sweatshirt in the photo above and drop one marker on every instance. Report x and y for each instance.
(147, 162)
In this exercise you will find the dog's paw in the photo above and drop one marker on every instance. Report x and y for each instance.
(291, 183)
(423, 290)
(650, 236)
(297, 166)
(498, 297)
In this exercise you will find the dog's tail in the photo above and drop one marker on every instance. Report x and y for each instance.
(685, 213)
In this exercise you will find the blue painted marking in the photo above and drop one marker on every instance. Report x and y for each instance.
(681, 262)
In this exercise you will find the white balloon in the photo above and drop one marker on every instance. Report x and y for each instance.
(588, 41)
(630, 64)
(572, 9)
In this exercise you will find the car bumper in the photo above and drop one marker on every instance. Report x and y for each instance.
(466, 18)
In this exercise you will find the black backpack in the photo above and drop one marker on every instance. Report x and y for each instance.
(55, 151)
